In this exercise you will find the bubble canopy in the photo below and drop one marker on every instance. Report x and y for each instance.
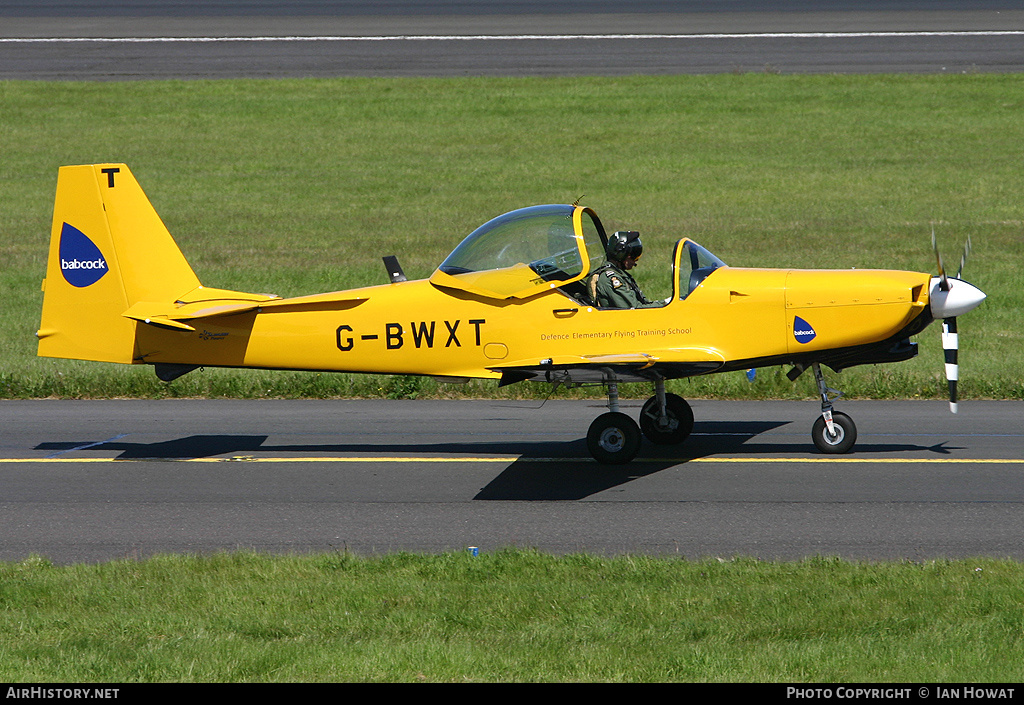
(525, 252)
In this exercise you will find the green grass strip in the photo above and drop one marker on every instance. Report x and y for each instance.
(513, 615)
(301, 186)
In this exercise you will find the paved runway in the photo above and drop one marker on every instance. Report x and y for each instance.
(539, 39)
(93, 481)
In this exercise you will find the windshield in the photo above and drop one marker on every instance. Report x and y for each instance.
(522, 252)
(694, 264)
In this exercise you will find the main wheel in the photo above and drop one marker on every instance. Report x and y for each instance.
(844, 438)
(679, 421)
(613, 438)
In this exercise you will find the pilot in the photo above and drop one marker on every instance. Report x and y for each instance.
(610, 284)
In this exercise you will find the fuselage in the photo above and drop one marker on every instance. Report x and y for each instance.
(419, 328)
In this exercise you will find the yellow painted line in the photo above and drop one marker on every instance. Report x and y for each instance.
(514, 458)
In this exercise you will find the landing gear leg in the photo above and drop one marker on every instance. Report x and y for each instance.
(666, 419)
(613, 438)
(834, 432)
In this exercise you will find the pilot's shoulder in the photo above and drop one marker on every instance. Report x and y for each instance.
(614, 278)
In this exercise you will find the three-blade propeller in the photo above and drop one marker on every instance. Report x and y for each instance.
(951, 297)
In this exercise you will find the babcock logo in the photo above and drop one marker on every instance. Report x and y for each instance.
(802, 330)
(81, 262)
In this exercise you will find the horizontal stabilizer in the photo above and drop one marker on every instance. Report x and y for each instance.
(229, 303)
(155, 315)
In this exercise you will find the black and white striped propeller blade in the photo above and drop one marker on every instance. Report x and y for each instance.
(950, 349)
(950, 297)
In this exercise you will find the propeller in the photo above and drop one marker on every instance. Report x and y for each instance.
(951, 297)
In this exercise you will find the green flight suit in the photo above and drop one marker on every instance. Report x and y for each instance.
(611, 287)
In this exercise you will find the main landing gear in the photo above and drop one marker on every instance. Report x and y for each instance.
(614, 438)
(666, 419)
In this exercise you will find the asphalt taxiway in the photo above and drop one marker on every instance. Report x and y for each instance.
(100, 480)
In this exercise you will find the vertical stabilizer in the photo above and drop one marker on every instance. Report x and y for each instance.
(108, 251)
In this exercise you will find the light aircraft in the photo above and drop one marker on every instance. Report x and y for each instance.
(509, 303)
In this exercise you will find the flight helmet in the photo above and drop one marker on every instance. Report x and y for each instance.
(623, 244)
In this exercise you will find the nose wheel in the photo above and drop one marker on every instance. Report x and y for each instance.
(833, 432)
(839, 439)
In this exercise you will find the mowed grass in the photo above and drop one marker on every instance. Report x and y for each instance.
(301, 186)
(295, 187)
(510, 616)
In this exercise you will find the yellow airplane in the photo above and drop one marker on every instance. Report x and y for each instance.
(510, 303)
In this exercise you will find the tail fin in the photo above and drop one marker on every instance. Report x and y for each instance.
(109, 250)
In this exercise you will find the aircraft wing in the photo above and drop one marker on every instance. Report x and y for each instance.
(203, 303)
(670, 363)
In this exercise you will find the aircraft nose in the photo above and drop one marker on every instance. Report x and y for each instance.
(960, 298)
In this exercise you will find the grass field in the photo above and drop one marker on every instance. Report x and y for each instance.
(300, 186)
(512, 616)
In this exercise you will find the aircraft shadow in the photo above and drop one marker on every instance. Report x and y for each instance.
(187, 448)
(530, 479)
(543, 471)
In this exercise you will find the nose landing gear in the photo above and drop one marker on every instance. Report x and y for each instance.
(833, 432)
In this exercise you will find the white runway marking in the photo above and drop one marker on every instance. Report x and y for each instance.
(512, 37)
(514, 458)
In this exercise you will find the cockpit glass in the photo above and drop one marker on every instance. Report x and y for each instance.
(541, 237)
(695, 264)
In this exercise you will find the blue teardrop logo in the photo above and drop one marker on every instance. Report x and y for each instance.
(81, 262)
(802, 330)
